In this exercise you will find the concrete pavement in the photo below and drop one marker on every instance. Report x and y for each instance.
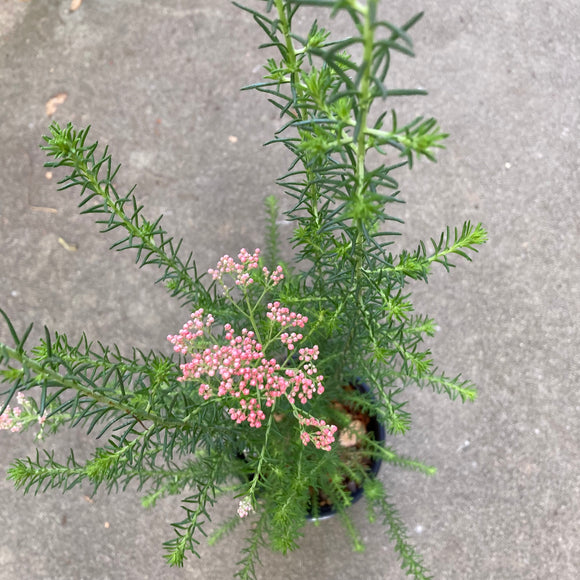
(158, 82)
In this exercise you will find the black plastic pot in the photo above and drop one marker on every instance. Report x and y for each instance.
(379, 434)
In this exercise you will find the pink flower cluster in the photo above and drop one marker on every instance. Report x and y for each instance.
(191, 330)
(304, 382)
(240, 271)
(323, 439)
(245, 507)
(13, 419)
(276, 276)
(290, 339)
(240, 371)
(10, 419)
(284, 317)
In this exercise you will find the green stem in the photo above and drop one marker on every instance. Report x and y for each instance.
(254, 483)
(68, 148)
(293, 66)
(364, 104)
(90, 176)
(76, 386)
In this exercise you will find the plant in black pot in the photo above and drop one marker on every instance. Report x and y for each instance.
(286, 377)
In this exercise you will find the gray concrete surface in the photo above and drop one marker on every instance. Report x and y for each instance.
(158, 81)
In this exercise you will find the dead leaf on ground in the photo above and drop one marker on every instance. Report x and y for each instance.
(67, 246)
(43, 208)
(53, 103)
(75, 5)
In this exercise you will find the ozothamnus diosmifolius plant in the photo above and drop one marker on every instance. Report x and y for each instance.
(257, 398)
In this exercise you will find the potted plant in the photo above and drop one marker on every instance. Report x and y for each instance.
(262, 395)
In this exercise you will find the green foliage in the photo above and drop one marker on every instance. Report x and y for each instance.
(159, 432)
(378, 504)
(95, 174)
(272, 254)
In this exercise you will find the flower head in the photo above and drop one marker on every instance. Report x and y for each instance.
(245, 507)
(240, 271)
(239, 371)
(322, 438)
